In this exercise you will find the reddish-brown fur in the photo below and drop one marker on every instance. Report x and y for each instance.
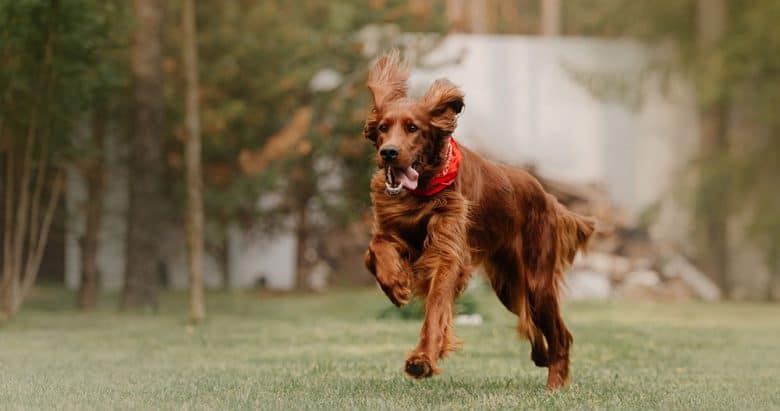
(493, 215)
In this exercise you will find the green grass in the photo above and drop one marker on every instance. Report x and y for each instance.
(330, 351)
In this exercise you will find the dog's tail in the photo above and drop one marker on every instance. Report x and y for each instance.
(573, 233)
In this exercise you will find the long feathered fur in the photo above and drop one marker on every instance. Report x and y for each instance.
(388, 79)
(573, 233)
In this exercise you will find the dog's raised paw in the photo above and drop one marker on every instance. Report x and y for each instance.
(398, 295)
(419, 366)
(401, 295)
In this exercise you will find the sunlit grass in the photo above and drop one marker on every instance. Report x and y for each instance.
(331, 351)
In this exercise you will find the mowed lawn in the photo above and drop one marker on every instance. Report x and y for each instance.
(330, 351)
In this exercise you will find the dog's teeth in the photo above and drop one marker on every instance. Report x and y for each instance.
(392, 190)
(389, 176)
(392, 187)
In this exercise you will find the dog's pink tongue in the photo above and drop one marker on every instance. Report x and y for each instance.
(407, 178)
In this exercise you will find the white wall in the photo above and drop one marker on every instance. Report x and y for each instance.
(253, 257)
(524, 106)
(250, 256)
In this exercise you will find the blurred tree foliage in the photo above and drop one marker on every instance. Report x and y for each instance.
(56, 63)
(59, 58)
(730, 50)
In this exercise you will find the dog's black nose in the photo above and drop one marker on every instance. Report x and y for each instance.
(388, 153)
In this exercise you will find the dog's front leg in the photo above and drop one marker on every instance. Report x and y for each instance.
(443, 261)
(392, 271)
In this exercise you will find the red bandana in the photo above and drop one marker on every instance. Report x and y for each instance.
(448, 174)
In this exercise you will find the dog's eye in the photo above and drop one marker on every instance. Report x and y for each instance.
(411, 128)
(382, 128)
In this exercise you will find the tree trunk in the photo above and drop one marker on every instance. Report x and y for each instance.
(144, 217)
(27, 213)
(771, 284)
(194, 179)
(9, 283)
(301, 238)
(95, 178)
(25, 235)
(479, 16)
(713, 122)
(550, 18)
(223, 255)
(26, 231)
(457, 15)
(20, 195)
(304, 190)
(711, 22)
(509, 12)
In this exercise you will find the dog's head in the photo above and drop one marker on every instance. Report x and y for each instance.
(410, 136)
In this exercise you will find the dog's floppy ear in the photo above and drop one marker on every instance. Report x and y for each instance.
(369, 129)
(387, 79)
(444, 102)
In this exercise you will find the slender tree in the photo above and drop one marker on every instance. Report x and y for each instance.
(301, 199)
(94, 174)
(33, 184)
(107, 78)
(144, 216)
(550, 18)
(194, 179)
(713, 121)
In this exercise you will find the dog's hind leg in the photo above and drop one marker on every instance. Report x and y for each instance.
(543, 274)
(547, 314)
(504, 270)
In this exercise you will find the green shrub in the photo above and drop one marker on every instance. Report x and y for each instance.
(466, 304)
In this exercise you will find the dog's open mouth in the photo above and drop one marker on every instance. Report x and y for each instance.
(397, 179)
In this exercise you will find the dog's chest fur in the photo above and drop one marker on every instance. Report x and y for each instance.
(404, 214)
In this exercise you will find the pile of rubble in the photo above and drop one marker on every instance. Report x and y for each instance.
(623, 261)
(664, 276)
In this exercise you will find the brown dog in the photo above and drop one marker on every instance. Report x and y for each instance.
(441, 210)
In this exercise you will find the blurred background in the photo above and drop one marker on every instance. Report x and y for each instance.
(151, 144)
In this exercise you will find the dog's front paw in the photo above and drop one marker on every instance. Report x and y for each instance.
(395, 287)
(418, 365)
(397, 293)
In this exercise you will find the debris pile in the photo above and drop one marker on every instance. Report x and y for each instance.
(623, 261)
(661, 276)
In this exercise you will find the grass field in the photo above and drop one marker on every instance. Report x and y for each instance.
(330, 351)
